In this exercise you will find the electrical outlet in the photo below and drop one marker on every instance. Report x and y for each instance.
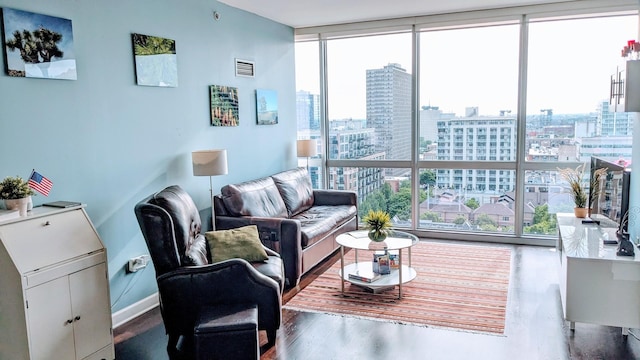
(137, 263)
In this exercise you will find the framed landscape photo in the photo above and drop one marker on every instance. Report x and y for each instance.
(156, 61)
(224, 105)
(267, 106)
(38, 46)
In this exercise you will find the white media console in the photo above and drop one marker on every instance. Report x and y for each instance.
(596, 285)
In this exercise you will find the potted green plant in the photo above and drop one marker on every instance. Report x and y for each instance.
(583, 197)
(16, 193)
(378, 223)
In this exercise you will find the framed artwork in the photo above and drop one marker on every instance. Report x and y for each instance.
(156, 61)
(38, 46)
(224, 105)
(267, 106)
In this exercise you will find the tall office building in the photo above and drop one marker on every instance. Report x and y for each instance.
(477, 138)
(389, 112)
(307, 110)
(612, 123)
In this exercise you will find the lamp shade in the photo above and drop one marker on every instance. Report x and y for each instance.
(307, 148)
(209, 162)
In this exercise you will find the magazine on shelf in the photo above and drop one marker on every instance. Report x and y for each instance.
(367, 276)
(359, 234)
(381, 262)
(394, 261)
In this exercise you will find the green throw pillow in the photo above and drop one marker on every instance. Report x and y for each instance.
(243, 243)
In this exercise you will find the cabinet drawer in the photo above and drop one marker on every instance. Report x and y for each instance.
(47, 240)
(36, 278)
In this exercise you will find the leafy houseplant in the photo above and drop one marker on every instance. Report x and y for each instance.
(16, 194)
(14, 188)
(377, 222)
(582, 198)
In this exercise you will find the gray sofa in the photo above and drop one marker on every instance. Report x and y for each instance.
(295, 220)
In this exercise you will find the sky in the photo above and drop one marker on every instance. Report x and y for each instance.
(570, 64)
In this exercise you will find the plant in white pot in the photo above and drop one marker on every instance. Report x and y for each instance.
(16, 193)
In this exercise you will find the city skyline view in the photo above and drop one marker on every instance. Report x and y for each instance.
(493, 66)
(468, 86)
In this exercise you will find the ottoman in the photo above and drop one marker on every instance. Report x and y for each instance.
(227, 332)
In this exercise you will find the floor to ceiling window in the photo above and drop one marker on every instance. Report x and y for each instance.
(308, 108)
(459, 127)
(468, 112)
(569, 117)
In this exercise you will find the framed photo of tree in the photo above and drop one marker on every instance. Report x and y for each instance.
(38, 46)
(156, 61)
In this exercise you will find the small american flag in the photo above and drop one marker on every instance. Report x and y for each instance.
(40, 183)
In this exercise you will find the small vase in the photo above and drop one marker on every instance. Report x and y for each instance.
(18, 204)
(580, 212)
(377, 235)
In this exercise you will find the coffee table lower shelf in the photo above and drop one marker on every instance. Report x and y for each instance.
(384, 283)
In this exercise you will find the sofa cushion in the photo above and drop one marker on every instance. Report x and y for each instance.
(296, 190)
(258, 197)
(243, 243)
(319, 221)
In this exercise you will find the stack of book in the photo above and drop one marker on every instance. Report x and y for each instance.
(367, 276)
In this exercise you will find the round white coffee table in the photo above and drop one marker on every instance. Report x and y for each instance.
(358, 240)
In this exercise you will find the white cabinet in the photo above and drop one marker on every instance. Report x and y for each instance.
(54, 299)
(596, 285)
(625, 88)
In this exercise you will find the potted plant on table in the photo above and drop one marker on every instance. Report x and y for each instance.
(378, 223)
(583, 198)
(16, 194)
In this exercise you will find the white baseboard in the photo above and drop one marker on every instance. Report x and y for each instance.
(134, 310)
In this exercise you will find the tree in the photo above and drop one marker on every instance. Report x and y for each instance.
(152, 45)
(36, 47)
(543, 222)
(378, 200)
(460, 220)
(541, 214)
(396, 204)
(486, 220)
(427, 177)
(400, 203)
(472, 203)
(430, 215)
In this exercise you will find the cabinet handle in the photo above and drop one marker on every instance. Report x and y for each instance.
(76, 318)
(69, 321)
(47, 223)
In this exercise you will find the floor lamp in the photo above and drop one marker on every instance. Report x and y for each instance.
(307, 148)
(210, 163)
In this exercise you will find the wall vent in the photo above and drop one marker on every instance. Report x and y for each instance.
(245, 68)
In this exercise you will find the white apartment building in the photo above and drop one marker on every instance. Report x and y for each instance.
(477, 138)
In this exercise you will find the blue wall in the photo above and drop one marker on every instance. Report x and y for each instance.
(108, 143)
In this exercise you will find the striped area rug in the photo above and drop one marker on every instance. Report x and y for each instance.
(461, 287)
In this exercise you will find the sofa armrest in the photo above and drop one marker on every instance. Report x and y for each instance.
(281, 235)
(235, 281)
(335, 197)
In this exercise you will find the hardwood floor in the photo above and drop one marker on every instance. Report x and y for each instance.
(534, 328)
